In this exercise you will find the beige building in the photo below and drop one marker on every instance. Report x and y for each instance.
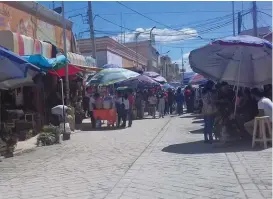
(109, 51)
(146, 49)
(168, 69)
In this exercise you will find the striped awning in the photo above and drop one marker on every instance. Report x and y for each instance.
(83, 62)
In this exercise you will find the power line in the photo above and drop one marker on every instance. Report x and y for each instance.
(147, 17)
(265, 13)
(172, 12)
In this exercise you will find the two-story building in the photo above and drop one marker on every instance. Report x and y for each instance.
(109, 51)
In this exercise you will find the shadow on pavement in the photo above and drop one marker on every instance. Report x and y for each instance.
(88, 127)
(198, 131)
(195, 116)
(198, 121)
(199, 147)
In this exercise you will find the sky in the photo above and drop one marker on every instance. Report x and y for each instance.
(179, 25)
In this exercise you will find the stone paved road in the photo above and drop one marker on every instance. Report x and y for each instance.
(154, 159)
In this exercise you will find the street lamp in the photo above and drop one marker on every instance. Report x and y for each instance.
(151, 33)
(137, 35)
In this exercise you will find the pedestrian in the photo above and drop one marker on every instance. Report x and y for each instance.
(170, 100)
(166, 111)
(91, 108)
(139, 106)
(189, 98)
(161, 104)
(131, 99)
(122, 110)
(264, 106)
(152, 104)
(209, 110)
(179, 101)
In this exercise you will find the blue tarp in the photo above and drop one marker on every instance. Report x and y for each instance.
(45, 63)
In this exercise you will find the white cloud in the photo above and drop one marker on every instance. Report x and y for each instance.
(161, 35)
(186, 62)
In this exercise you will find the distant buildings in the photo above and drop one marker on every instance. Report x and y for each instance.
(109, 51)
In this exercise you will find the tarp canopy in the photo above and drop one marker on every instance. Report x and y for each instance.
(14, 67)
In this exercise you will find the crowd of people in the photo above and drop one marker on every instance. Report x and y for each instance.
(153, 100)
(218, 107)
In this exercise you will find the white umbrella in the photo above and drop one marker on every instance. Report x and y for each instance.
(242, 60)
(58, 110)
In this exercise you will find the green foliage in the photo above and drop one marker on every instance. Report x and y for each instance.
(50, 135)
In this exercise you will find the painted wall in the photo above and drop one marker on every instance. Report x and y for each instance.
(29, 25)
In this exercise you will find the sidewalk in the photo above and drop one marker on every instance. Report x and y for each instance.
(177, 164)
(26, 146)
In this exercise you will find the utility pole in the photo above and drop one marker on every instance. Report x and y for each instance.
(182, 60)
(65, 54)
(233, 18)
(92, 34)
(137, 34)
(255, 30)
(121, 30)
(239, 22)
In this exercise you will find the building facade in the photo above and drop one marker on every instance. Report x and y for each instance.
(30, 19)
(169, 70)
(109, 51)
(146, 49)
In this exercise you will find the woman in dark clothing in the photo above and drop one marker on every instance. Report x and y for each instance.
(179, 101)
(170, 100)
(189, 98)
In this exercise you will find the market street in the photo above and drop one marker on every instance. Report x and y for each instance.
(156, 158)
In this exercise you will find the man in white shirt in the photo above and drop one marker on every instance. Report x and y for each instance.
(264, 105)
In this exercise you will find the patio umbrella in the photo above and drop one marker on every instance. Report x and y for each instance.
(13, 66)
(167, 86)
(242, 60)
(141, 81)
(155, 76)
(111, 66)
(151, 74)
(160, 79)
(187, 77)
(15, 71)
(111, 76)
(198, 79)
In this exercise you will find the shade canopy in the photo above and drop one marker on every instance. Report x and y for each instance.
(111, 76)
(139, 82)
(242, 60)
(15, 70)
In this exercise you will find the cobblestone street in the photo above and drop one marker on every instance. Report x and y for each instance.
(156, 158)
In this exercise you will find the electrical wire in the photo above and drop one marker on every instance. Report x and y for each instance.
(147, 17)
(264, 13)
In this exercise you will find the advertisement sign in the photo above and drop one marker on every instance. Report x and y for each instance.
(26, 24)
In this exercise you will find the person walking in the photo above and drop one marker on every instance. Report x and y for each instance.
(131, 99)
(122, 109)
(170, 100)
(179, 101)
(209, 110)
(152, 104)
(161, 104)
(91, 108)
